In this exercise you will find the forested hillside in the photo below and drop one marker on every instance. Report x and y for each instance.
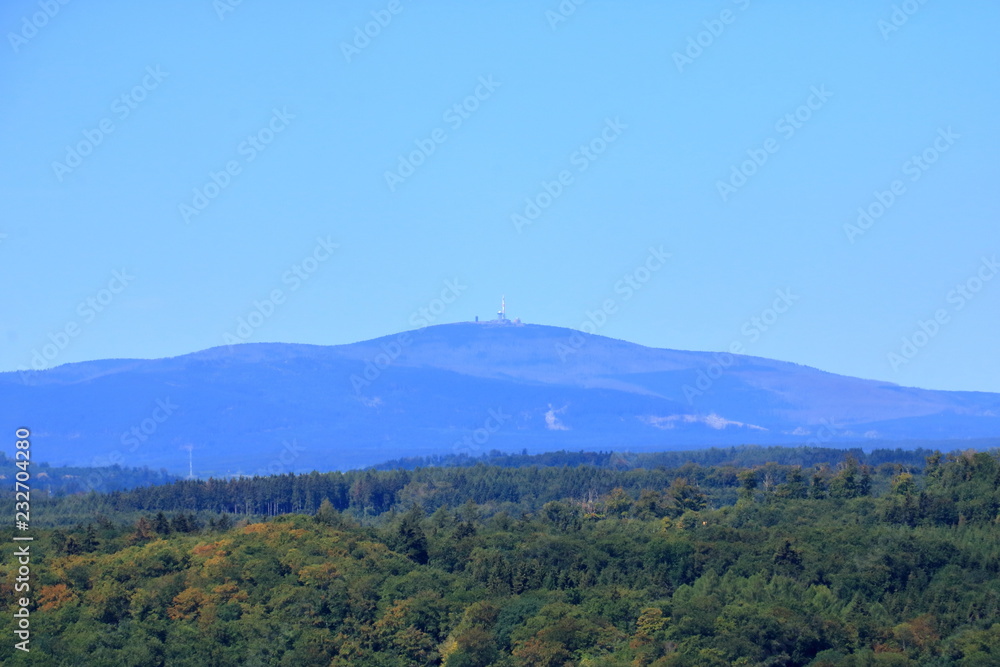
(68, 480)
(514, 483)
(483, 566)
(742, 455)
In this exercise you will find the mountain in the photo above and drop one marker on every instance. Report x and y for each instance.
(265, 408)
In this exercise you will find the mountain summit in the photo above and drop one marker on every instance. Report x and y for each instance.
(264, 408)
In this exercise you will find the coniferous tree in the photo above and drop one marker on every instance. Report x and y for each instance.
(410, 536)
(161, 525)
(180, 524)
(89, 542)
(58, 542)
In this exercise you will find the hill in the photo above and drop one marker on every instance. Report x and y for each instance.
(462, 388)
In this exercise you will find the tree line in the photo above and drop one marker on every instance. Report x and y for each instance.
(772, 564)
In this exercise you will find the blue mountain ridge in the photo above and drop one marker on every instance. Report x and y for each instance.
(266, 408)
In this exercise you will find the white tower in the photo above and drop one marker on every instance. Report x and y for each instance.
(502, 315)
(190, 449)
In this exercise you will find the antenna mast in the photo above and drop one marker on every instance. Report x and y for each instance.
(190, 449)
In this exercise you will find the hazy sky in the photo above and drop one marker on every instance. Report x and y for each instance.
(170, 168)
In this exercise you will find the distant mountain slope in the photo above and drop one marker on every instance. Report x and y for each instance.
(456, 388)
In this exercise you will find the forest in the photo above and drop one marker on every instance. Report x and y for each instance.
(66, 480)
(747, 557)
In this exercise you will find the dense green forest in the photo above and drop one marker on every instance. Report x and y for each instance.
(67, 480)
(847, 562)
(494, 482)
(743, 455)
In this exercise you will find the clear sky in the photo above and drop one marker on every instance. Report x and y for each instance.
(217, 156)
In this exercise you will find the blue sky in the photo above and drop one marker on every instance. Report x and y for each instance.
(274, 159)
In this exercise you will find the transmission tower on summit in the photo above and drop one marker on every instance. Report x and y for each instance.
(502, 313)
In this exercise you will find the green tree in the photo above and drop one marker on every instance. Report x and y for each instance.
(687, 496)
(410, 536)
(327, 514)
(618, 503)
(748, 484)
